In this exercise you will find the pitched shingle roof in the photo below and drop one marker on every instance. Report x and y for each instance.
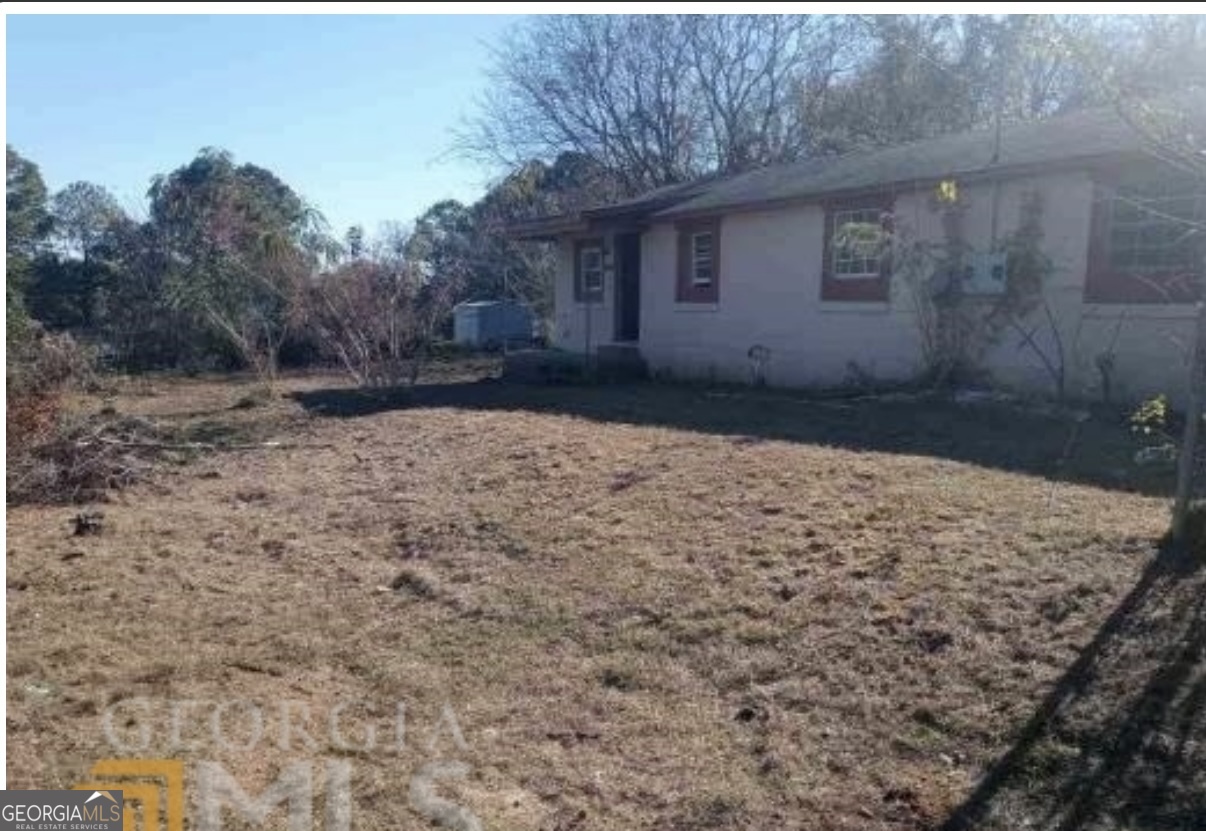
(655, 199)
(1081, 135)
(640, 206)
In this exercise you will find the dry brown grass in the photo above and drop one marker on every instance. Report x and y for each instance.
(637, 626)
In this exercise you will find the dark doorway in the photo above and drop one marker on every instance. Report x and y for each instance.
(628, 287)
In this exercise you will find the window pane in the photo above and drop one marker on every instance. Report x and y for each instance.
(856, 243)
(701, 259)
(1124, 238)
(1146, 235)
(590, 268)
(1183, 207)
(1126, 211)
(591, 271)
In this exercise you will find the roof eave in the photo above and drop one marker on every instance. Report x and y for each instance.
(546, 229)
(684, 212)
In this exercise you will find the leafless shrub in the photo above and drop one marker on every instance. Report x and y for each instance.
(42, 369)
(380, 320)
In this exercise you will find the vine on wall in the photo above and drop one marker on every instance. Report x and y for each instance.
(957, 328)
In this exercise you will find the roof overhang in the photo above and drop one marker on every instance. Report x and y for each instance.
(546, 229)
(586, 223)
(687, 212)
(625, 216)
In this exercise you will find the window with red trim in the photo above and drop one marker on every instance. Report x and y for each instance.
(1146, 241)
(857, 266)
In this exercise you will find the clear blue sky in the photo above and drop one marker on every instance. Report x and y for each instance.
(355, 112)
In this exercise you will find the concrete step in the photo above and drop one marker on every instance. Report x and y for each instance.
(621, 361)
(612, 362)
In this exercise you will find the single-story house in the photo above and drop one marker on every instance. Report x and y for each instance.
(759, 273)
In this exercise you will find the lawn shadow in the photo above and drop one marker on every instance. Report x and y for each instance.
(1120, 740)
(1099, 451)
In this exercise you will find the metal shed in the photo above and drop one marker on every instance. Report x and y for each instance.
(490, 323)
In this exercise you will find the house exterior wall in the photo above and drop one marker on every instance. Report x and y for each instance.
(1150, 342)
(770, 295)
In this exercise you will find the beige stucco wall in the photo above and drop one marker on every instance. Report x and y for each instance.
(1147, 340)
(770, 272)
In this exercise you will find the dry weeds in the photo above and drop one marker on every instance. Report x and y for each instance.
(637, 626)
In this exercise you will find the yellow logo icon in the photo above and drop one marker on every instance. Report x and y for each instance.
(141, 781)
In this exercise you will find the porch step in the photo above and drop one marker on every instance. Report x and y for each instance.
(621, 361)
(543, 366)
(613, 362)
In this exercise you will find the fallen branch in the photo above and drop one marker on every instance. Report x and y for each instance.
(196, 445)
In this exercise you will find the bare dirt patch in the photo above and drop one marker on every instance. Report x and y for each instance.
(643, 615)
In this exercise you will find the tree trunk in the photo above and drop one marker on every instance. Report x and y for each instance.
(1189, 442)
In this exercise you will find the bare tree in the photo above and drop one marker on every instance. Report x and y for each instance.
(1158, 90)
(1173, 130)
(656, 99)
(608, 87)
(758, 75)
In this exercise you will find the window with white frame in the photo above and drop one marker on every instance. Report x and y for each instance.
(857, 243)
(590, 271)
(702, 272)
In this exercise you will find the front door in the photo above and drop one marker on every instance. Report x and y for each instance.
(628, 287)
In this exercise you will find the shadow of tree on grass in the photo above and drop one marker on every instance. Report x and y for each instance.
(1120, 741)
(1099, 451)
